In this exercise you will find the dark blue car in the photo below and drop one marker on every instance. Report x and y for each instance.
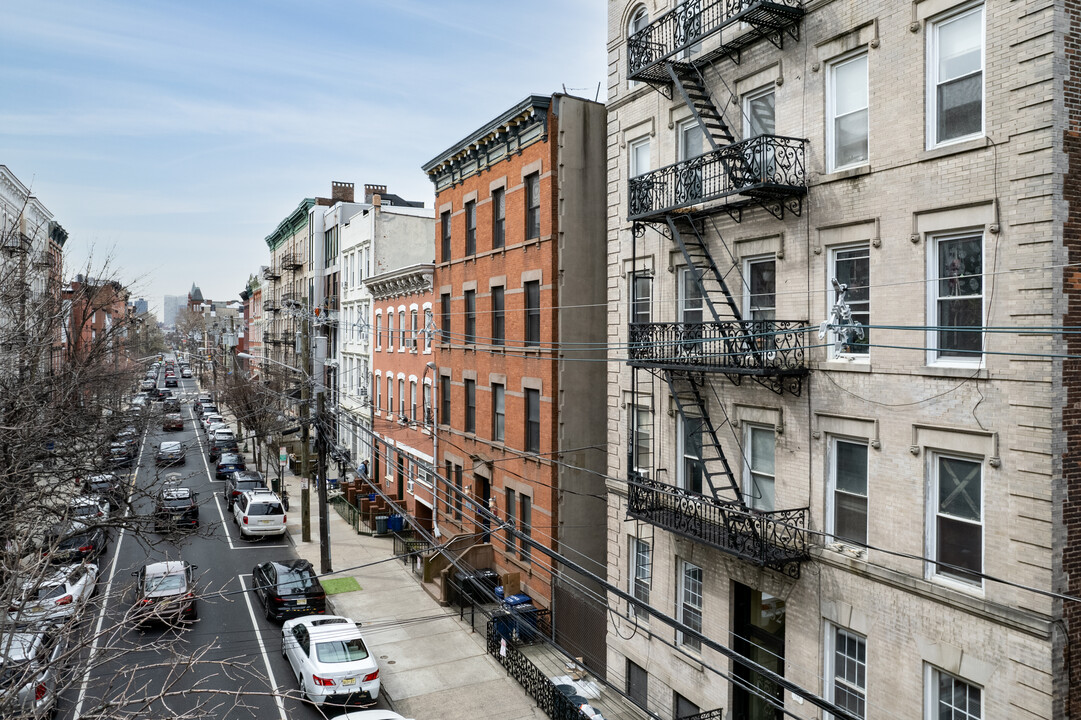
(227, 463)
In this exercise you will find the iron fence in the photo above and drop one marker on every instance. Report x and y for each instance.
(754, 346)
(352, 515)
(548, 697)
(408, 549)
(775, 539)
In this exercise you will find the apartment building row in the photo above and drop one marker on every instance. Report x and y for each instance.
(604, 334)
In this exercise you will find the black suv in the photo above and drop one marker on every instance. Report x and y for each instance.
(239, 482)
(176, 507)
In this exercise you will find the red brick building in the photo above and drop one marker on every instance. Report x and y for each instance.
(520, 305)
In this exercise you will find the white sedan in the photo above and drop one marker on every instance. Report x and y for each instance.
(55, 596)
(331, 661)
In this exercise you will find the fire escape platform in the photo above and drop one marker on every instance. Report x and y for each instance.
(776, 540)
(771, 348)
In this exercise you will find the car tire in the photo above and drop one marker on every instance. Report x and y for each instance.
(267, 613)
(194, 612)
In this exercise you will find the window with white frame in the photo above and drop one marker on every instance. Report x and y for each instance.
(378, 393)
(428, 322)
(956, 527)
(390, 330)
(760, 289)
(638, 153)
(689, 610)
(390, 395)
(759, 118)
(846, 674)
(846, 112)
(852, 267)
(691, 302)
(951, 698)
(413, 401)
(499, 412)
(642, 298)
(692, 142)
(957, 297)
(378, 331)
(641, 574)
(691, 469)
(847, 509)
(413, 330)
(403, 330)
(641, 439)
(639, 19)
(758, 489)
(401, 398)
(955, 63)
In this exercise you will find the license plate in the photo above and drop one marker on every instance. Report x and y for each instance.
(302, 601)
(349, 681)
(266, 522)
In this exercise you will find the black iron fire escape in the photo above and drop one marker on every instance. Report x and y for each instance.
(677, 200)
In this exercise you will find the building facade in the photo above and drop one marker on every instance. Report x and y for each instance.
(519, 285)
(843, 511)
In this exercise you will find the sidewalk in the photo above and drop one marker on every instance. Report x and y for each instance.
(432, 666)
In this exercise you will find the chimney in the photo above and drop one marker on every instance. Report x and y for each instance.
(341, 191)
(371, 191)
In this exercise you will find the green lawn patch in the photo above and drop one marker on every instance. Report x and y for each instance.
(333, 586)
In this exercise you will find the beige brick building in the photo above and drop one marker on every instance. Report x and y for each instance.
(840, 510)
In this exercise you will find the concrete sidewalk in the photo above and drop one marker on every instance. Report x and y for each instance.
(432, 666)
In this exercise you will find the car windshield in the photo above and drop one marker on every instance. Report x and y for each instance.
(165, 583)
(340, 651)
(46, 592)
(294, 580)
(177, 502)
(265, 508)
(76, 541)
(170, 447)
(85, 510)
(249, 484)
(12, 673)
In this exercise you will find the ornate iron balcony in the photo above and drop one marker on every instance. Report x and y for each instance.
(775, 540)
(270, 272)
(766, 167)
(753, 347)
(692, 21)
(292, 261)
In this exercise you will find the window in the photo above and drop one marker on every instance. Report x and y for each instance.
(471, 227)
(444, 391)
(846, 679)
(402, 329)
(691, 470)
(378, 393)
(957, 522)
(638, 152)
(428, 419)
(526, 516)
(499, 412)
(957, 290)
(758, 622)
(532, 313)
(448, 468)
(642, 299)
(761, 289)
(458, 492)
(401, 398)
(470, 316)
(379, 331)
(847, 511)
(692, 141)
(641, 439)
(955, 83)
(390, 395)
(639, 19)
(846, 112)
(413, 401)
(852, 267)
(532, 206)
(532, 424)
(498, 317)
(760, 113)
(470, 405)
(511, 539)
(444, 317)
(641, 574)
(951, 698)
(413, 330)
(499, 218)
(444, 226)
(684, 708)
(691, 302)
(428, 323)
(390, 330)
(758, 488)
(637, 683)
(689, 611)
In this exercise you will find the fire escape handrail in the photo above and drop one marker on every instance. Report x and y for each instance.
(776, 161)
(746, 347)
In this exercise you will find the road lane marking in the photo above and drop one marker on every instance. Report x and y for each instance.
(262, 649)
(221, 514)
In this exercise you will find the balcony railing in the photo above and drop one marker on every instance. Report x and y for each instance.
(753, 347)
(692, 21)
(270, 272)
(290, 298)
(775, 540)
(292, 261)
(270, 305)
(763, 167)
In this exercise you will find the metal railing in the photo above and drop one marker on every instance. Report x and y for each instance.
(408, 548)
(766, 166)
(270, 273)
(775, 540)
(692, 21)
(715, 714)
(756, 347)
(270, 305)
(352, 515)
(292, 261)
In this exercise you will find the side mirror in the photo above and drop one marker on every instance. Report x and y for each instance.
(360, 624)
(194, 567)
(135, 574)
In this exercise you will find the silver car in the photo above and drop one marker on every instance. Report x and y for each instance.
(31, 661)
(60, 595)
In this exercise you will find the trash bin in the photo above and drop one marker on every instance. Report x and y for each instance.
(525, 622)
(459, 594)
(395, 523)
(380, 524)
(504, 625)
(486, 581)
(515, 600)
(499, 593)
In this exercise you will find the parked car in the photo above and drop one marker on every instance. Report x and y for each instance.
(170, 452)
(120, 455)
(70, 542)
(218, 447)
(185, 372)
(289, 587)
(259, 513)
(139, 402)
(209, 418)
(201, 402)
(148, 384)
(89, 509)
(229, 462)
(31, 666)
(170, 381)
(165, 592)
(171, 405)
(128, 434)
(210, 409)
(327, 653)
(176, 507)
(105, 485)
(172, 421)
(238, 482)
(56, 597)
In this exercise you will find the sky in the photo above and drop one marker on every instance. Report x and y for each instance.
(170, 137)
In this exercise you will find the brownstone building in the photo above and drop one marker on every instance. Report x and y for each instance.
(520, 305)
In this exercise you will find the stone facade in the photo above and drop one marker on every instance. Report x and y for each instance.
(919, 222)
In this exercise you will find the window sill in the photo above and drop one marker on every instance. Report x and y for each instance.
(847, 174)
(957, 585)
(511, 556)
(962, 146)
(843, 365)
(954, 371)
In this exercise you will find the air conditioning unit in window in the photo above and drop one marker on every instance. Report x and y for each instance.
(409, 486)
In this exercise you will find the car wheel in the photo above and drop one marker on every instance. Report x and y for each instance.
(267, 612)
(194, 612)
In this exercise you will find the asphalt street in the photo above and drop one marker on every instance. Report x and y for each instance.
(228, 663)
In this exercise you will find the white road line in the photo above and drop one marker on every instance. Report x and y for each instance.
(262, 649)
(108, 586)
(224, 527)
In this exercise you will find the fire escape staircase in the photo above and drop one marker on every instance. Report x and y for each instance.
(717, 474)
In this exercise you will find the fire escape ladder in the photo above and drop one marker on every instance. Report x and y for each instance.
(716, 472)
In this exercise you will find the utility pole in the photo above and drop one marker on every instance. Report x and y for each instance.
(305, 434)
(324, 520)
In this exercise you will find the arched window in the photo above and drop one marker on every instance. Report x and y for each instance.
(639, 19)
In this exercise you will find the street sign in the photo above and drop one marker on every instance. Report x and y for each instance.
(283, 457)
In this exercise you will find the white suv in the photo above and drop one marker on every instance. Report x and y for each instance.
(259, 512)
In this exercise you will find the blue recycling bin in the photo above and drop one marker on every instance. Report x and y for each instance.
(395, 523)
(499, 592)
(515, 600)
